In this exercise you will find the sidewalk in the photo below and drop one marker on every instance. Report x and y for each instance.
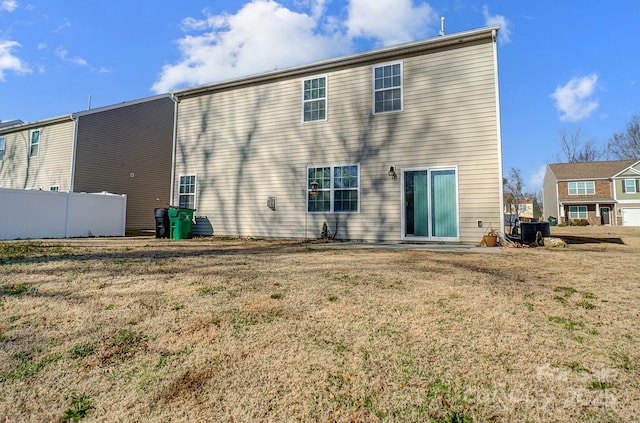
(449, 248)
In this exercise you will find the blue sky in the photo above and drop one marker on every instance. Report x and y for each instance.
(562, 65)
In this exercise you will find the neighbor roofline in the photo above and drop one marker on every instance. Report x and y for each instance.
(73, 116)
(565, 201)
(603, 178)
(36, 124)
(382, 54)
(119, 105)
(630, 167)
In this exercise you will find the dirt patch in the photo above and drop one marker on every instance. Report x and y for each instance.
(569, 239)
(598, 234)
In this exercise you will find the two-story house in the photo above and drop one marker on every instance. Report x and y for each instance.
(396, 144)
(526, 209)
(125, 148)
(584, 191)
(627, 195)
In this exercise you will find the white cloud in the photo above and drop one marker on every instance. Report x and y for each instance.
(536, 180)
(8, 5)
(9, 62)
(505, 30)
(62, 54)
(264, 35)
(64, 25)
(575, 99)
(389, 21)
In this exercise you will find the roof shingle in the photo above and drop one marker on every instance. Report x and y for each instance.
(589, 170)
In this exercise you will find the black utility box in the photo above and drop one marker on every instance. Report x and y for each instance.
(528, 231)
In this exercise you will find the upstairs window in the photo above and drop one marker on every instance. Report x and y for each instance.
(630, 186)
(314, 99)
(582, 188)
(387, 88)
(187, 189)
(35, 143)
(2, 148)
(333, 189)
(54, 188)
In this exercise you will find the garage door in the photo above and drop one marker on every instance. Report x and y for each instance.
(631, 217)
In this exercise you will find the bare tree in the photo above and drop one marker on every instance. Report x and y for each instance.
(626, 145)
(575, 148)
(512, 187)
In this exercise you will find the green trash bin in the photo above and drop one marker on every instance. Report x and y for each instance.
(180, 221)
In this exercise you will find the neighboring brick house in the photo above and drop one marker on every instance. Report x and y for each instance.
(583, 191)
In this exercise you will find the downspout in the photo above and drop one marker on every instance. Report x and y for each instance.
(494, 38)
(73, 151)
(555, 187)
(615, 203)
(176, 101)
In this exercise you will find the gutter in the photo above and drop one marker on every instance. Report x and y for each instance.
(72, 177)
(494, 39)
(176, 101)
(37, 124)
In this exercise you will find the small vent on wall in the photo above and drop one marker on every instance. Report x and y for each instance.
(271, 203)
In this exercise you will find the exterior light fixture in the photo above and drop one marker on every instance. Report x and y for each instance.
(392, 173)
(314, 188)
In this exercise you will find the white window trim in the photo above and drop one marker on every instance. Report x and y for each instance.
(331, 189)
(54, 188)
(4, 147)
(585, 187)
(326, 99)
(373, 87)
(31, 141)
(195, 190)
(578, 211)
(626, 189)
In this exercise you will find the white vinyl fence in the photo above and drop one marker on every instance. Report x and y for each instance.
(42, 214)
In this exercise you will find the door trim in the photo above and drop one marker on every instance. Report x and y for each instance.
(428, 169)
(608, 216)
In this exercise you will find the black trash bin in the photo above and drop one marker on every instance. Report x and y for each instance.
(162, 222)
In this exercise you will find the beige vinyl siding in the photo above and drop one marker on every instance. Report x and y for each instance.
(130, 139)
(249, 143)
(52, 166)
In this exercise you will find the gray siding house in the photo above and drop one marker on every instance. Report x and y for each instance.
(398, 144)
(627, 195)
(123, 149)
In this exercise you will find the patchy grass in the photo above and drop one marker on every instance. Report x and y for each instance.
(15, 289)
(247, 330)
(80, 404)
(19, 250)
(81, 350)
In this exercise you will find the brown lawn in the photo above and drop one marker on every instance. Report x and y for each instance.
(228, 330)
